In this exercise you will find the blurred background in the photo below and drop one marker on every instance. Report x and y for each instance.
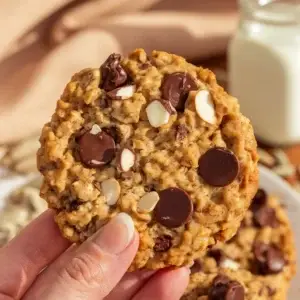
(43, 43)
(41, 46)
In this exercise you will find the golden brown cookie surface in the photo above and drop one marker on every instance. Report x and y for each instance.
(159, 139)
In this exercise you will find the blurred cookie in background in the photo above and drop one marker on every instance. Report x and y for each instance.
(258, 263)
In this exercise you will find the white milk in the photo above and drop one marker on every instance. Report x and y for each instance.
(264, 68)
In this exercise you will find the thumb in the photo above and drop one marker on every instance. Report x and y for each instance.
(93, 269)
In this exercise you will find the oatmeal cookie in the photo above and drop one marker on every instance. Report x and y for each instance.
(159, 139)
(257, 264)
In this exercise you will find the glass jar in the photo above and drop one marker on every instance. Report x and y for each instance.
(264, 68)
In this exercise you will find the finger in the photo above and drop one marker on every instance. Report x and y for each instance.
(165, 285)
(130, 285)
(26, 255)
(93, 269)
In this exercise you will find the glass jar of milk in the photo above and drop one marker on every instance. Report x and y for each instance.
(264, 68)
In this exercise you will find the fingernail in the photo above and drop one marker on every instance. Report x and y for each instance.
(115, 236)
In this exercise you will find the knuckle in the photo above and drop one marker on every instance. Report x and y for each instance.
(79, 269)
(87, 269)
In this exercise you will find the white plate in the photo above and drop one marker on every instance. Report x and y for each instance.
(268, 180)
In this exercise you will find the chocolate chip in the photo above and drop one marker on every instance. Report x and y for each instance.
(265, 216)
(196, 267)
(225, 289)
(69, 203)
(268, 259)
(74, 205)
(262, 214)
(96, 150)
(176, 86)
(234, 238)
(218, 166)
(235, 291)
(163, 243)
(181, 132)
(113, 74)
(174, 207)
(221, 280)
(168, 106)
(114, 133)
(244, 224)
(259, 200)
(113, 94)
(218, 255)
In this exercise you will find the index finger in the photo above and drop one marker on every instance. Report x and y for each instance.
(28, 254)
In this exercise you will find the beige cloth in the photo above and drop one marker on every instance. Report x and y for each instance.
(43, 42)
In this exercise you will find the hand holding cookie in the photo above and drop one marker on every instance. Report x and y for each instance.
(41, 264)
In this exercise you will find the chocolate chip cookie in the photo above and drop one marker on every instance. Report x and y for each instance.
(256, 264)
(159, 139)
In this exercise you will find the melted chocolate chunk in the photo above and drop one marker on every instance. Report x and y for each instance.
(265, 216)
(196, 267)
(74, 205)
(223, 288)
(259, 200)
(112, 73)
(168, 106)
(104, 102)
(96, 150)
(174, 208)
(175, 88)
(267, 259)
(114, 133)
(218, 255)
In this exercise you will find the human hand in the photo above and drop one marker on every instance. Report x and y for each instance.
(41, 264)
